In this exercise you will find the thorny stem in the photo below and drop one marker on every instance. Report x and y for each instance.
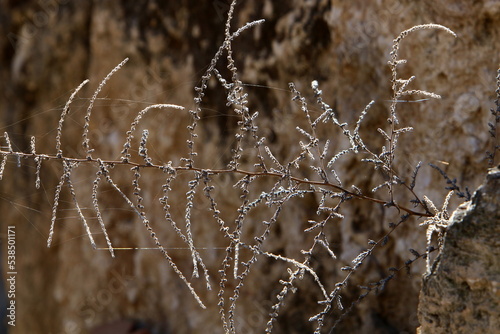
(222, 171)
(399, 88)
(394, 271)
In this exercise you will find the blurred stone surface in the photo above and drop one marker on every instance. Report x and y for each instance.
(461, 294)
(47, 48)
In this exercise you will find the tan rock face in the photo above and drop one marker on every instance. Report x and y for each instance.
(460, 294)
(49, 48)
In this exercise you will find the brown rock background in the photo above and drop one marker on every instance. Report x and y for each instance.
(50, 47)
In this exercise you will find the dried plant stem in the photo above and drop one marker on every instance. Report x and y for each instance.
(231, 171)
(63, 115)
(57, 194)
(148, 227)
(140, 115)
(86, 141)
(77, 206)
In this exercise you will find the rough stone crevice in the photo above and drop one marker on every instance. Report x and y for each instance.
(462, 292)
